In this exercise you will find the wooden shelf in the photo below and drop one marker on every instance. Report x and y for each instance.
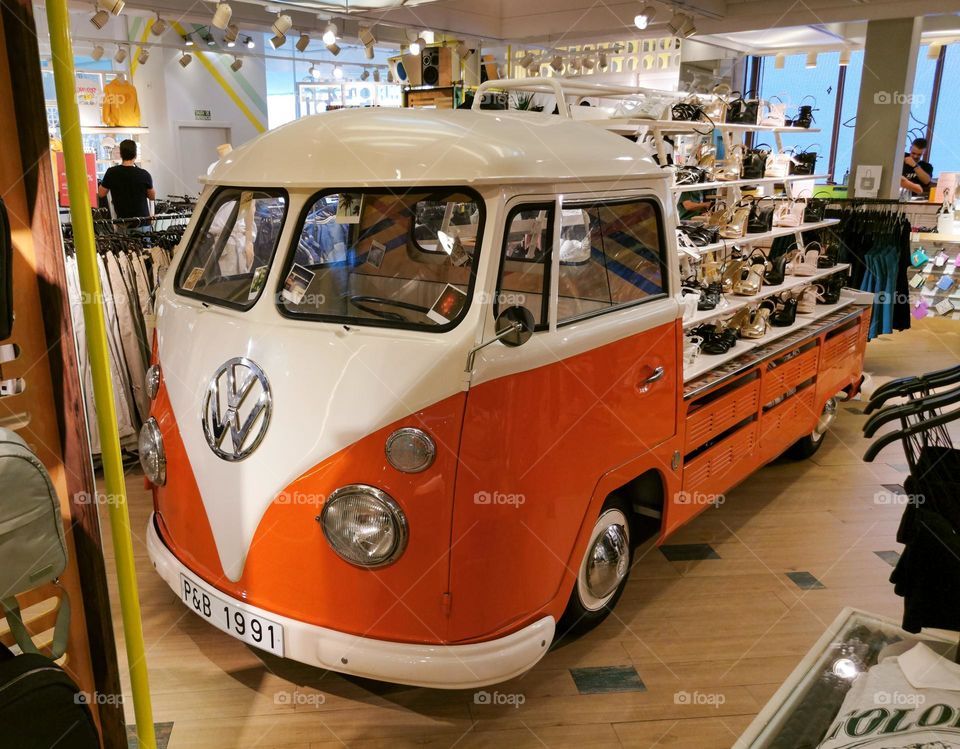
(699, 186)
(739, 302)
(780, 231)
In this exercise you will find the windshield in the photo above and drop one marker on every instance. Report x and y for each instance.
(231, 251)
(383, 258)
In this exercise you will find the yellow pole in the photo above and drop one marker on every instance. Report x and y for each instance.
(61, 47)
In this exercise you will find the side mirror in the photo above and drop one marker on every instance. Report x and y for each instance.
(515, 325)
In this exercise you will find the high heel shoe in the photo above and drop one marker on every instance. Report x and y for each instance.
(752, 283)
(776, 270)
(732, 274)
(756, 326)
(710, 296)
(808, 298)
(806, 262)
(785, 313)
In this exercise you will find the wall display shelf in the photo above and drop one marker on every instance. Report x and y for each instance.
(940, 289)
(781, 231)
(677, 126)
(104, 130)
(735, 303)
(698, 186)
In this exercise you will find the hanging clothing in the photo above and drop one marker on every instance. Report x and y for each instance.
(121, 107)
(128, 328)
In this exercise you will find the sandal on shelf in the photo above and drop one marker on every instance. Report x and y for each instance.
(776, 270)
(733, 272)
(786, 312)
(710, 297)
(756, 326)
(808, 299)
(751, 284)
(806, 263)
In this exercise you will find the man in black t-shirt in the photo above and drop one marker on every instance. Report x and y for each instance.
(917, 173)
(129, 186)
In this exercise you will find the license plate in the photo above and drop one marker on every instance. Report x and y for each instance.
(253, 630)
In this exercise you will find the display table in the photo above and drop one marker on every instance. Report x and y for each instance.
(802, 709)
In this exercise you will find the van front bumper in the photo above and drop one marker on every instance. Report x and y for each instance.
(438, 666)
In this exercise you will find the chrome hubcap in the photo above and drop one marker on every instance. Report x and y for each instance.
(826, 419)
(607, 562)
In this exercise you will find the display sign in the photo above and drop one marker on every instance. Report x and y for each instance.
(90, 162)
(201, 114)
(867, 184)
(946, 181)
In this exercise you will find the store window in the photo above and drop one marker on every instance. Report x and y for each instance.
(611, 255)
(848, 117)
(945, 144)
(525, 265)
(229, 257)
(385, 258)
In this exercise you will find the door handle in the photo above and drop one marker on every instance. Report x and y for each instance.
(644, 385)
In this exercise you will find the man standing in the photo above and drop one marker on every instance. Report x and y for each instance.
(129, 186)
(917, 173)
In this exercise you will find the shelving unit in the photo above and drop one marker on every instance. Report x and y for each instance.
(697, 186)
(739, 302)
(781, 231)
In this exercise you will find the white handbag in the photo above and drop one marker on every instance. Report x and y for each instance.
(789, 213)
(774, 114)
(778, 165)
(648, 107)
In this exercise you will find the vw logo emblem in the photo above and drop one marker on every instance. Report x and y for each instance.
(236, 409)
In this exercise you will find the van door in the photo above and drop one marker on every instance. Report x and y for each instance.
(595, 386)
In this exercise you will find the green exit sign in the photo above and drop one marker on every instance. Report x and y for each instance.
(201, 114)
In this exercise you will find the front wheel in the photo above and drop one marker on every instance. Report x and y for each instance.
(805, 447)
(603, 571)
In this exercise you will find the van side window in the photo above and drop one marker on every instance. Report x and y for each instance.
(611, 255)
(525, 261)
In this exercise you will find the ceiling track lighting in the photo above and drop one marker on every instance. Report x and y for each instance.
(428, 36)
(158, 26)
(208, 38)
(236, 64)
(282, 25)
(557, 64)
(364, 75)
(100, 18)
(221, 16)
(185, 59)
(231, 34)
(278, 41)
(96, 53)
(303, 42)
(811, 61)
(330, 33)
(143, 56)
(588, 63)
(645, 17)
(367, 39)
(248, 42)
(314, 71)
(603, 62)
(526, 61)
(337, 72)
(188, 39)
(933, 52)
(463, 51)
(844, 57)
(333, 49)
(780, 61)
(121, 54)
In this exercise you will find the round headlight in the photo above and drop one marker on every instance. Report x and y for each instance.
(410, 450)
(364, 525)
(152, 459)
(152, 381)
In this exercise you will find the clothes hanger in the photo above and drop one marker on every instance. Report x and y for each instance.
(903, 434)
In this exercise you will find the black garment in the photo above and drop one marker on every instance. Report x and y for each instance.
(910, 172)
(128, 187)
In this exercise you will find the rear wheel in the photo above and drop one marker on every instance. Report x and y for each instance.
(807, 446)
(603, 571)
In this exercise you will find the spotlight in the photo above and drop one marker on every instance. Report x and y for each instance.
(368, 40)
(188, 40)
(933, 52)
(844, 57)
(780, 61)
(282, 25)
(376, 75)
(97, 53)
(330, 33)
(689, 28)
(114, 6)
(557, 63)
(143, 56)
(158, 27)
(185, 59)
(603, 62)
(337, 72)
(645, 17)
(236, 64)
(208, 38)
(333, 49)
(575, 65)
(249, 42)
(526, 61)
(677, 23)
(100, 18)
(221, 16)
(364, 75)
(314, 72)
(231, 34)
(588, 63)
(428, 36)
(415, 48)
(811, 61)
(278, 41)
(121, 54)
(303, 42)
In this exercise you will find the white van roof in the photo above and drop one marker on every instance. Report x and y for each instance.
(382, 146)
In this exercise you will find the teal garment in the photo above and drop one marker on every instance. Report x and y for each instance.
(696, 197)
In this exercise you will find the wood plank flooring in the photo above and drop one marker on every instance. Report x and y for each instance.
(710, 639)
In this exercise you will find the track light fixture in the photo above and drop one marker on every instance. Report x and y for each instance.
(278, 41)
(231, 34)
(114, 6)
(97, 53)
(185, 59)
(236, 64)
(314, 72)
(337, 72)
(933, 52)
(645, 17)
(333, 49)
(221, 16)
(282, 25)
(208, 38)
(364, 75)
(368, 40)
(121, 54)
(603, 62)
(811, 61)
(588, 63)
(100, 18)
(526, 61)
(557, 64)
(376, 75)
(303, 42)
(248, 41)
(780, 61)
(158, 26)
(844, 57)
(143, 56)
(330, 33)
(188, 39)
(463, 51)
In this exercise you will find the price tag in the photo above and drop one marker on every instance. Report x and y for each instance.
(945, 307)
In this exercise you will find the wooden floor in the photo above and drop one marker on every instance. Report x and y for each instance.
(728, 628)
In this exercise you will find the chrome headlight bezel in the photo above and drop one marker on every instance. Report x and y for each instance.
(388, 504)
(426, 444)
(150, 444)
(151, 381)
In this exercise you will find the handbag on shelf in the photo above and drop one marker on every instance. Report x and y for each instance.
(755, 162)
(691, 109)
(804, 162)
(689, 175)
(789, 213)
(778, 165)
(647, 107)
(761, 216)
(743, 111)
(716, 108)
(774, 113)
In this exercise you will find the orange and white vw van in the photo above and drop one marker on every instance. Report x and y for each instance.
(417, 391)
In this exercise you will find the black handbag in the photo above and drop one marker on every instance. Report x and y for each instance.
(814, 212)
(692, 110)
(761, 216)
(743, 111)
(804, 162)
(755, 162)
(689, 175)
